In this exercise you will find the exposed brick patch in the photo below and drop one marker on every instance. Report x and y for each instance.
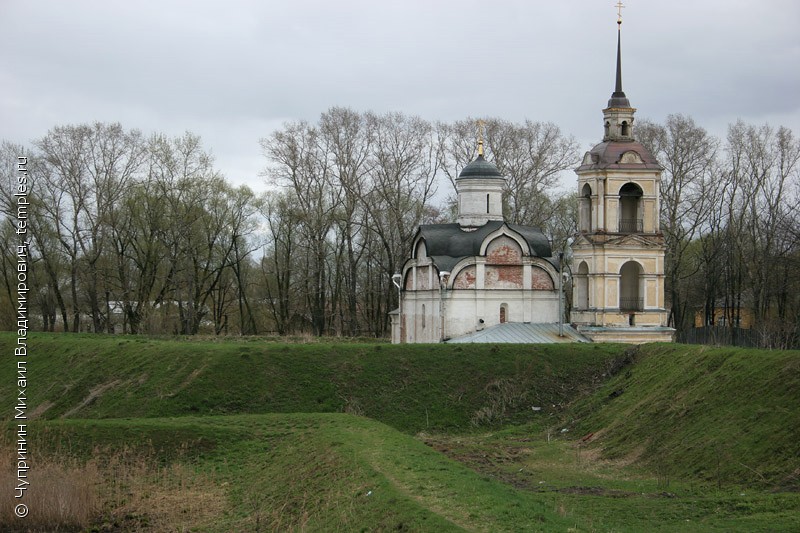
(541, 280)
(503, 251)
(465, 279)
(503, 277)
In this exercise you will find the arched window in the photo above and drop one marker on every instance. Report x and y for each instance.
(423, 316)
(503, 313)
(607, 127)
(630, 208)
(582, 287)
(630, 287)
(586, 208)
(626, 128)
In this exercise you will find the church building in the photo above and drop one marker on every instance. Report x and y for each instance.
(482, 272)
(618, 254)
(478, 272)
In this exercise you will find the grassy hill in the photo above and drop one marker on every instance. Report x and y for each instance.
(287, 472)
(409, 387)
(207, 435)
(726, 415)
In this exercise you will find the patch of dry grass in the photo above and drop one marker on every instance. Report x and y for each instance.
(113, 491)
(62, 496)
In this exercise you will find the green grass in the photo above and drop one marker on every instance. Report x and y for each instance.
(410, 387)
(683, 438)
(723, 415)
(315, 471)
(602, 495)
(323, 472)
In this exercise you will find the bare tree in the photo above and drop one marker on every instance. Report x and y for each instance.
(404, 166)
(531, 155)
(301, 164)
(279, 264)
(140, 247)
(764, 165)
(8, 231)
(87, 170)
(347, 138)
(688, 155)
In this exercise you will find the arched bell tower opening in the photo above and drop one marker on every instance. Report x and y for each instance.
(630, 292)
(630, 208)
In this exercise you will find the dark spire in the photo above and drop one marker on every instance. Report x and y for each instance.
(618, 89)
(618, 98)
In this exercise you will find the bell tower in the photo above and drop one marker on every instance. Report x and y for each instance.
(618, 253)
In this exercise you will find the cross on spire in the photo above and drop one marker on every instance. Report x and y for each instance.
(618, 92)
(480, 137)
(618, 116)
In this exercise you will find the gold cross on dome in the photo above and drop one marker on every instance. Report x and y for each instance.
(480, 136)
(619, 7)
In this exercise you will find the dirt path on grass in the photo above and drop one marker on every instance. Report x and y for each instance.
(93, 395)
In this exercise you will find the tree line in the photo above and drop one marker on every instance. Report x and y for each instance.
(729, 213)
(141, 234)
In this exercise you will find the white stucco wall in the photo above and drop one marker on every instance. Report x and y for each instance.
(472, 201)
(463, 310)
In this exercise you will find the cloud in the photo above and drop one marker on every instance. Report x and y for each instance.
(227, 71)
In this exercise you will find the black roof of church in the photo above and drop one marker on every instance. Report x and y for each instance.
(480, 168)
(447, 244)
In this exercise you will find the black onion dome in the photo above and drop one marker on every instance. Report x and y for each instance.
(480, 168)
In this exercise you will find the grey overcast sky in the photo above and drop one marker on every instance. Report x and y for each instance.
(234, 71)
